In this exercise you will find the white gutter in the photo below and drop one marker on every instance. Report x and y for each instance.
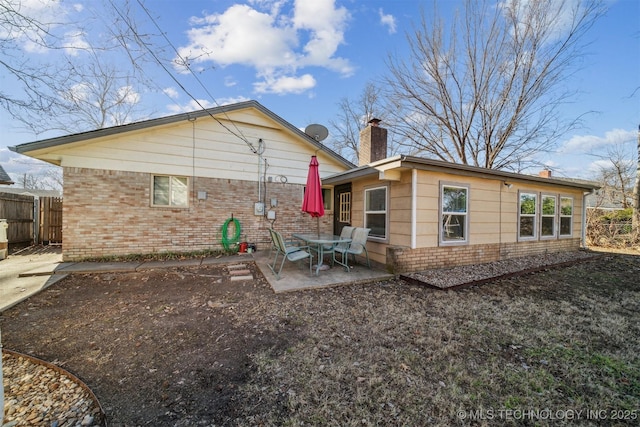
(414, 207)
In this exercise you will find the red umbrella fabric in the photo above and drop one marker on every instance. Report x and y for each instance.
(312, 202)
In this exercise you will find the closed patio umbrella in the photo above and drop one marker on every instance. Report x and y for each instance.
(312, 202)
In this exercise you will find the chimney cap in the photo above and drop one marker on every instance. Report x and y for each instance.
(374, 122)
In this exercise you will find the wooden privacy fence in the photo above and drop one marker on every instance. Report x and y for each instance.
(50, 225)
(17, 209)
(32, 220)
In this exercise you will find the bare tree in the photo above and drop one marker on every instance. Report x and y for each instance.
(354, 115)
(37, 84)
(486, 91)
(99, 95)
(80, 89)
(616, 176)
(31, 182)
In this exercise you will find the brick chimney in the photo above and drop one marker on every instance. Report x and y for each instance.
(373, 143)
(545, 173)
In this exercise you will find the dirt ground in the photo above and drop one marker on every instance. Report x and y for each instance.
(188, 347)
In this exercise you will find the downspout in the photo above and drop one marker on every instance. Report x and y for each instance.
(414, 207)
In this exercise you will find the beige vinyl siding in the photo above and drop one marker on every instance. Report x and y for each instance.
(485, 211)
(400, 211)
(209, 150)
(377, 250)
(427, 203)
(493, 209)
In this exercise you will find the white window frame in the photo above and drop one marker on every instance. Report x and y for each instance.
(385, 212)
(171, 196)
(534, 236)
(561, 216)
(465, 225)
(553, 216)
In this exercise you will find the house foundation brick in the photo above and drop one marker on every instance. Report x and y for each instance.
(405, 260)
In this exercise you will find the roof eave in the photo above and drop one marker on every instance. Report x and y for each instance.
(410, 162)
(429, 164)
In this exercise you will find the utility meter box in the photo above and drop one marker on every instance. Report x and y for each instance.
(4, 243)
(258, 209)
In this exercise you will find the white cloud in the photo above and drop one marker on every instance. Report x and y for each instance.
(190, 106)
(171, 92)
(79, 92)
(591, 143)
(75, 42)
(284, 85)
(387, 20)
(232, 100)
(326, 25)
(241, 35)
(16, 165)
(193, 105)
(129, 95)
(272, 42)
(559, 15)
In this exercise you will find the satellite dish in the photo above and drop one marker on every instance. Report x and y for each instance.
(317, 132)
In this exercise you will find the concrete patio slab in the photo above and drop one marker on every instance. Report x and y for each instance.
(295, 276)
(16, 285)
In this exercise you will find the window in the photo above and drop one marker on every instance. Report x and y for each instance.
(375, 211)
(454, 205)
(344, 210)
(170, 191)
(566, 216)
(326, 198)
(527, 224)
(548, 218)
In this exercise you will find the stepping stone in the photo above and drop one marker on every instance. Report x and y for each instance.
(240, 272)
(239, 278)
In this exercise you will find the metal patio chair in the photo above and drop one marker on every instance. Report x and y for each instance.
(356, 247)
(346, 233)
(288, 251)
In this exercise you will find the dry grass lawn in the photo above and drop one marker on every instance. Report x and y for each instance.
(183, 348)
(547, 348)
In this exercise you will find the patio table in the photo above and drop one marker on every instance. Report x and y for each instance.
(318, 241)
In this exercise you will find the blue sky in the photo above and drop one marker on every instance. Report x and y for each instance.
(299, 58)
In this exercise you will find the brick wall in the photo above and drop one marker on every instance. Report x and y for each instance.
(404, 260)
(109, 213)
